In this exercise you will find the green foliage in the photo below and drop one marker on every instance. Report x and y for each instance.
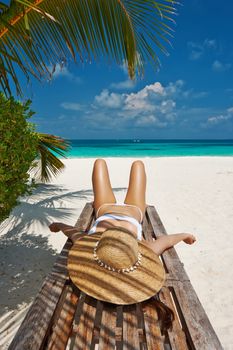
(18, 149)
(49, 164)
(36, 35)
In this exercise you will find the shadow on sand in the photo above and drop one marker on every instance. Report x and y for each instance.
(25, 255)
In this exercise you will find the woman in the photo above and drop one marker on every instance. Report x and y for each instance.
(112, 262)
(127, 215)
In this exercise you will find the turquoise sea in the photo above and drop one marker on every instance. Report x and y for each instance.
(149, 148)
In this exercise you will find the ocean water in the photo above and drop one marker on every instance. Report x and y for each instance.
(149, 148)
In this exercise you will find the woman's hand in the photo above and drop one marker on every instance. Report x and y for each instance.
(55, 227)
(189, 239)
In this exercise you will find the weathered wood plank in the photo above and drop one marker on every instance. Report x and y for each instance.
(77, 315)
(63, 320)
(85, 328)
(130, 328)
(170, 257)
(85, 218)
(119, 327)
(97, 323)
(141, 327)
(37, 323)
(155, 220)
(32, 332)
(107, 329)
(147, 229)
(176, 336)
(199, 331)
(154, 338)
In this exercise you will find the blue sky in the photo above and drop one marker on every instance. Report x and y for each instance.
(191, 97)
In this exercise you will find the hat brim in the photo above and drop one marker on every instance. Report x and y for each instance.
(110, 286)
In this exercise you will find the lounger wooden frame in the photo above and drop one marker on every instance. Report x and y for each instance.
(62, 317)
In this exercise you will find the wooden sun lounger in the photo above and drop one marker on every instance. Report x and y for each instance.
(62, 317)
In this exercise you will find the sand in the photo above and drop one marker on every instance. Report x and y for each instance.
(191, 194)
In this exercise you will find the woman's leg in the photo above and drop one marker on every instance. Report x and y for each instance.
(136, 193)
(101, 184)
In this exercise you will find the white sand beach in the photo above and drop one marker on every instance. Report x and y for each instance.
(191, 194)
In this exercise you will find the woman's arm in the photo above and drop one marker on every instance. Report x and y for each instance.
(70, 231)
(163, 243)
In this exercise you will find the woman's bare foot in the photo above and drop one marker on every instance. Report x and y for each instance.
(189, 239)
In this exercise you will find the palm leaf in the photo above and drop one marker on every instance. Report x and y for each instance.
(48, 164)
(54, 31)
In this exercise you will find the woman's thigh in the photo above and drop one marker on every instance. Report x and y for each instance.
(136, 193)
(102, 188)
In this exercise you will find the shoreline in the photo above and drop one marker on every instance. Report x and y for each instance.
(191, 194)
(144, 157)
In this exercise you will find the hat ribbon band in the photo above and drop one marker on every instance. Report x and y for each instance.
(110, 268)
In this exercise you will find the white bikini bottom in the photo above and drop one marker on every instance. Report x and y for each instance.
(118, 217)
(123, 205)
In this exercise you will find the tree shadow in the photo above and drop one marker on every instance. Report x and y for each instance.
(26, 255)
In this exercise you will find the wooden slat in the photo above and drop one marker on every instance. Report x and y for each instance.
(141, 326)
(176, 336)
(85, 218)
(33, 331)
(198, 329)
(154, 339)
(77, 315)
(85, 329)
(119, 327)
(147, 230)
(63, 323)
(107, 329)
(130, 328)
(170, 257)
(97, 323)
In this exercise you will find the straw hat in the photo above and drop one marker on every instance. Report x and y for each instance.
(114, 266)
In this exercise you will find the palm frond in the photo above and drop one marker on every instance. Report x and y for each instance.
(36, 34)
(49, 164)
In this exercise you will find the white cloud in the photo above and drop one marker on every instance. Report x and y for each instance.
(141, 100)
(218, 66)
(167, 106)
(72, 106)
(195, 55)
(230, 110)
(175, 89)
(210, 43)
(151, 106)
(219, 119)
(109, 99)
(150, 121)
(101, 120)
(155, 88)
(62, 117)
(197, 49)
(124, 67)
(126, 84)
(63, 72)
(155, 106)
(200, 94)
